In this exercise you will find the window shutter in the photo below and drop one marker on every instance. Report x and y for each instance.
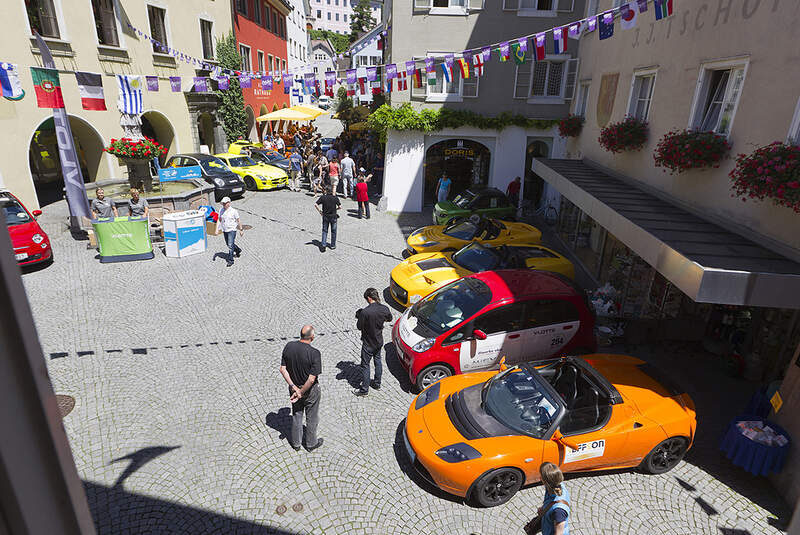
(572, 79)
(423, 4)
(565, 6)
(475, 5)
(510, 5)
(522, 80)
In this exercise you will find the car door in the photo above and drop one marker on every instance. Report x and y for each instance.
(548, 327)
(502, 327)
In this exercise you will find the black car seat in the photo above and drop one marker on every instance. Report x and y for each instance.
(586, 411)
(565, 383)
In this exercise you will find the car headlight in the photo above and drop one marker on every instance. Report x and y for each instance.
(415, 298)
(37, 238)
(219, 182)
(428, 395)
(429, 244)
(458, 453)
(424, 345)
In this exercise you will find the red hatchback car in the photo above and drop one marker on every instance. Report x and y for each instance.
(470, 324)
(30, 242)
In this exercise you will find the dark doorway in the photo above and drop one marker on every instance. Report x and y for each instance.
(534, 185)
(466, 162)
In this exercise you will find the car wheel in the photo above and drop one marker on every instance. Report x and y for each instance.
(250, 183)
(665, 456)
(432, 374)
(496, 487)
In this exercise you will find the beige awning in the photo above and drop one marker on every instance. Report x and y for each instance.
(309, 109)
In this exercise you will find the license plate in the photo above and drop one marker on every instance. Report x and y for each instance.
(21, 256)
(237, 190)
(409, 449)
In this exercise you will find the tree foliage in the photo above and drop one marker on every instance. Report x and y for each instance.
(231, 109)
(361, 20)
(339, 41)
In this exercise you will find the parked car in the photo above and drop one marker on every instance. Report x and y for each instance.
(324, 102)
(484, 435)
(489, 202)
(462, 231)
(31, 244)
(470, 324)
(215, 172)
(261, 155)
(326, 143)
(255, 175)
(417, 276)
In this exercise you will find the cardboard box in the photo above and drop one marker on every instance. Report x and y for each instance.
(211, 228)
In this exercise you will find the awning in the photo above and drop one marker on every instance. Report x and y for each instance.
(286, 114)
(707, 262)
(309, 109)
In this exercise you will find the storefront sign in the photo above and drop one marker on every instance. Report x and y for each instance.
(180, 173)
(469, 153)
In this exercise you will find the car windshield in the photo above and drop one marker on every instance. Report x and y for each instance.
(519, 400)
(464, 199)
(449, 306)
(477, 258)
(241, 161)
(465, 230)
(213, 166)
(14, 212)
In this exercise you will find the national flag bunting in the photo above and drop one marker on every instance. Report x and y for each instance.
(477, 61)
(47, 87)
(417, 78)
(388, 85)
(606, 21)
(463, 67)
(10, 85)
(375, 83)
(432, 78)
(362, 85)
(402, 81)
(663, 8)
(539, 45)
(560, 40)
(627, 16)
(504, 51)
(449, 61)
(576, 29)
(448, 77)
(429, 66)
(130, 94)
(90, 87)
(642, 5)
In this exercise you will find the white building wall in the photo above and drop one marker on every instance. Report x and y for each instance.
(403, 179)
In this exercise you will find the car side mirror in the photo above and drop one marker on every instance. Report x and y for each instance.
(558, 437)
(479, 334)
(36, 213)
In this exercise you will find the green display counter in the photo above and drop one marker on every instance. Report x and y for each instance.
(123, 239)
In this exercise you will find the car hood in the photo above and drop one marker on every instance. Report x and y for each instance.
(448, 206)
(21, 234)
(523, 231)
(427, 234)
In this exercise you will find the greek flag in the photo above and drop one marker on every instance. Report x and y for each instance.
(130, 94)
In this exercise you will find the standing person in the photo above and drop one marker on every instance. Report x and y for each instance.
(348, 168)
(229, 223)
(443, 188)
(330, 205)
(102, 207)
(370, 320)
(331, 153)
(309, 164)
(377, 170)
(513, 191)
(137, 206)
(361, 194)
(322, 168)
(298, 141)
(280, 145)
(301, 364)
(297, 166)
(333, 171)
(554, 512)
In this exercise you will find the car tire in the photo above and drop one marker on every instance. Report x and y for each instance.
(250, 183)
(665, 456)
(432, 374)
(496, 487)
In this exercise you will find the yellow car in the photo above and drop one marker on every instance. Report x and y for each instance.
(255, 175)
(419, 275)
(474, 228)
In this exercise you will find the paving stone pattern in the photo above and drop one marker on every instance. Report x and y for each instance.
(181, 416)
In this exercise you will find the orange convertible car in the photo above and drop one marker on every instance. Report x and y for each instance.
(483, 435)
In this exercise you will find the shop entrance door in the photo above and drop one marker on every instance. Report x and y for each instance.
(466, 162)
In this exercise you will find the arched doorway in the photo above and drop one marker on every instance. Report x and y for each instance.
(156, 126)
(205, 132)
(534, 185)
(466, 162)
(251, 123)
(263, 125)
(45, 165)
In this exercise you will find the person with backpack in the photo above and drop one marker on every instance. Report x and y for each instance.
(553, 515)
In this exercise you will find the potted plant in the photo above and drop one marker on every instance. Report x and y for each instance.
(682, 150)
(627, 135)
(570, 126)
(772, 171)
(136, 154)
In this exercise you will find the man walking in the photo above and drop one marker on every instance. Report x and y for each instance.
(294, 174)
(348, 167)
(330, 205)
(229, 223)
(370, 320)
(301, 365)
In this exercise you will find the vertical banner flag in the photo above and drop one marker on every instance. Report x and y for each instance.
(486, 53)
(308, 79)
(402, 81)
(411, 66)
(372, 74)
(266, 83)
(560, 40)
(152, 83)
(200, 85)
(429, 64)
(642, 5)
(245, 82)
(388, 85)
(538, 43)
(351, 76)
(130, 94)
(362, 86)
(223, 83)
(417, 78)
(627, 16)
(276, 77)
(606, 25)
(591, 23)
(287, 86)
(576, 29)
(391, 71)
(463, 68)
(10, 86)
(90, 87)
(448, 60)
(504, 51)
(448, 77)
(70, 168)
(330, 81)
(518, 50)
(477, 60)
(467, 55)
(663, 8)
(376, 83)
(48, 88)
(175, 83)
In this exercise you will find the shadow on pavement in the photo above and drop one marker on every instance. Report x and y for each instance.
(138, 459)
(396, 369)
(281, 422)
(349, 371)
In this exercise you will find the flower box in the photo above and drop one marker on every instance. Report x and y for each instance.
(627, 135)
(772, 171)
(570, 126)
(682, 150)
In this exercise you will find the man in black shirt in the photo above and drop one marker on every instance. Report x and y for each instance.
(330, 205)
(370, 322)
(301, 364)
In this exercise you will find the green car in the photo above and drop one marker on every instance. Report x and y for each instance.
(487, 202)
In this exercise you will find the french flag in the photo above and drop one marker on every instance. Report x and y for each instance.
(560, 39)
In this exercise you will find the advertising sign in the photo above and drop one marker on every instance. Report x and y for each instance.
(179, 173)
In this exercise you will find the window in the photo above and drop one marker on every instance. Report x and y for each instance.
(319, 14)
(241, 7)
(274, 20)
(337, 17)
(206, 28)
(105, 22)
(336, 2)
(42, 18)
(469, 87)
(641, 95)
(583, 99)
(448, 3)
(319, 57)
(271, 64)
(283, 65)
(260, 56)
(257, 12)
(158, 26)
(501, 320)
(345, 17)
(374, 60)
(443, 91)
(329, 15)
(794, 127)
(546, 81)
(541, 313)
(329, 2)
(244, 51)
(539, 8)
(267, 24)
(591, 8)
(717, 97)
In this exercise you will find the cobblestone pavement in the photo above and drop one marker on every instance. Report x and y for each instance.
(181, 415)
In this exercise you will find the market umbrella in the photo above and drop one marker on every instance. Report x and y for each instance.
(311, 110)
(286, 114)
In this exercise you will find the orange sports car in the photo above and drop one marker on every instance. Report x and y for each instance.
(483, 435)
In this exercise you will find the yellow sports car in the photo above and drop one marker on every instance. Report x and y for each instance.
(255, 175)
(474, 228)
(419, 275)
